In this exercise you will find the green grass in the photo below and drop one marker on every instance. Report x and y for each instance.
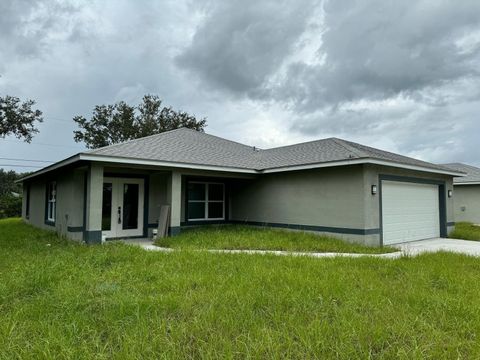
(257, 238)
(466, 231)
(63, 300)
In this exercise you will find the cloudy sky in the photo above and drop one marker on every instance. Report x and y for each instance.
(403, 76)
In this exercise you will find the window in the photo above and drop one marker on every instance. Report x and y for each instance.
(27, 202)
(206, 201)
(51, 201)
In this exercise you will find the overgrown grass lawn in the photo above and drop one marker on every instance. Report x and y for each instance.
(257, 238)
(70, 301)
(466, 231)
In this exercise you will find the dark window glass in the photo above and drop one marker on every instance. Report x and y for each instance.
(215, 192)
(196, 191)
(196, 210)
(130, 206)
(51, 200)
(107, 206)
(215, 210)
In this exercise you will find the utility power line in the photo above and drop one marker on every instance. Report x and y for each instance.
(41, 144)
(21, 165)
(30, 160)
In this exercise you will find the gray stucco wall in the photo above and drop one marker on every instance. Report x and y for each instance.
(337, 197)
(337, 201)
(69, 204)
(322, 197)
(466, 199)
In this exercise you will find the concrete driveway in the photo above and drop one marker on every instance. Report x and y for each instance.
(433, 245)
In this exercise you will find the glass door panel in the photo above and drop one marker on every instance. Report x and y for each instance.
(122, 207)
(107, 207)
(130, 206)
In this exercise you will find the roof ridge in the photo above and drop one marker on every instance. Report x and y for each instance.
(462, 165)
(219, 137)
(132, 140)
(296, 144)
(349, 147)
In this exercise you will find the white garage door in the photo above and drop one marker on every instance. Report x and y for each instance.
(410, 212)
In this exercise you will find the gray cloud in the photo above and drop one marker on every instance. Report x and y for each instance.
(369, 49)
(26, 25)
(373, 69)
(241, 44)
(398, 75)
(378, 49)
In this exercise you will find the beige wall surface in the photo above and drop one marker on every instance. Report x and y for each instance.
(466, 199)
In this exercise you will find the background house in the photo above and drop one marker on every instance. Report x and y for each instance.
(467, 193)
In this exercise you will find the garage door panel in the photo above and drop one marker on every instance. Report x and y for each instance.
(410, 211)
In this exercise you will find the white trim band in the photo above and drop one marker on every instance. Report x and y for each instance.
(135, 161)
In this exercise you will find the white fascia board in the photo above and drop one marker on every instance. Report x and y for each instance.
(362, 161)
(122, 160)
(467, 183)
(48, 168)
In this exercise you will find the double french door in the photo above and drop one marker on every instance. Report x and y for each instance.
(122, 207)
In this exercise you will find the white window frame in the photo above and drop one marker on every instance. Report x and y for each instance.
(51, 201)
(207, 201)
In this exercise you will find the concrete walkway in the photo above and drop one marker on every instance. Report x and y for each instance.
(439, 244)
(407, 249)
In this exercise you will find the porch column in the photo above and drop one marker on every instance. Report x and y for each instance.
(175, 198)
(93, 206)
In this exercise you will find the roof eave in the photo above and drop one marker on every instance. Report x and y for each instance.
(57, 165)
(363, 161)
(467, 183)
(147, 162)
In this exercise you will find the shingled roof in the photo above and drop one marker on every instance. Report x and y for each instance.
(185, 148)
(194, 147)
(473, 173)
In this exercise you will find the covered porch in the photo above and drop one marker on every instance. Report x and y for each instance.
(124, 202)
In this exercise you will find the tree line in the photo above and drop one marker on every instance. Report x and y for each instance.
(109, 124)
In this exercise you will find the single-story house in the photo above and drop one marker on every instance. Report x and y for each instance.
(330, 186)
(466, 200)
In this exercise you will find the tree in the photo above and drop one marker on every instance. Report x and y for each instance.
(111, 124)
(10, 194)
(7, 182)
(17, 118)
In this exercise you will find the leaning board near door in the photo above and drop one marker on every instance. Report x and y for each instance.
(163, 221)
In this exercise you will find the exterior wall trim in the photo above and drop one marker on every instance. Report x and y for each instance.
(75, 229)
(329, 229)
(93, 237)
